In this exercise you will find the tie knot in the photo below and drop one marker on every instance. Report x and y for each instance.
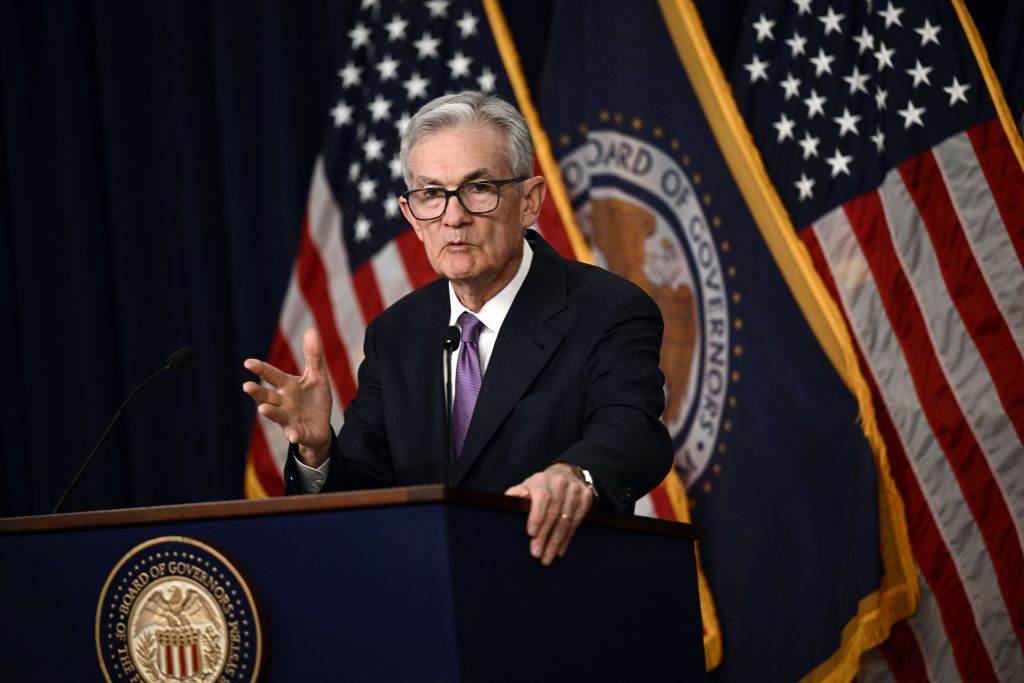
(470, 326)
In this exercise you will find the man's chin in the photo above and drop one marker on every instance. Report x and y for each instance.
(461, 267)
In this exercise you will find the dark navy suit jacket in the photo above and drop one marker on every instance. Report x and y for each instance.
(573, 377)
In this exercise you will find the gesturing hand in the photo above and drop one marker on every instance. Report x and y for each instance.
(559, 500)
(300, 405)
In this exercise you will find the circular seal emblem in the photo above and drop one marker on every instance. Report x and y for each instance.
(645, 220)
(174, 609)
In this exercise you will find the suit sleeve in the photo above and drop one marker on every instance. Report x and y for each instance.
(360, 456)
(625, 446)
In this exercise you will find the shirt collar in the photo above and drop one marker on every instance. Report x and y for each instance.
(492, 314)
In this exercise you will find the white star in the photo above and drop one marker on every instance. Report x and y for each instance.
(342, 114)
(438, 8)
(757, 69)
(879, 139)
(847, 122)
(857, 81)
(350, 75)
(367, 189)
(391, 207)
(467, 24)
(354, 170)
(402, 122)
(763, 26)
(880, 97)
(426, 46)
(865, 41)
(822, 63)
(803, 7)
(785, 127)
(831, 21)
(911, 115)
(396, 28)
(928, 33)
(379, 108)
(957, 92)
(796, 44)
(815, 104)
(395, 166)
(372, 148)
(362, 228)
(804, 185)
(388, 68)
(884, 56)
(459, 64)
(892, 14)
(360, 35)
(920, 73)
(791, 85)
(487, 80)
(839, 162)
(809, 143)
(416, 86)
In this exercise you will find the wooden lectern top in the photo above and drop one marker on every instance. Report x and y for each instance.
(325, 501)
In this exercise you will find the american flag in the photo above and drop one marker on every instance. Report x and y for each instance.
(891, 149)
(356, 254)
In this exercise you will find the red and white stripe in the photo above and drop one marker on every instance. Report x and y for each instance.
(321, 293)
(929, 273)
(178, 661)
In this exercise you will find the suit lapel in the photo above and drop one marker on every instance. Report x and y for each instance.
(423, 362)
(524, 346)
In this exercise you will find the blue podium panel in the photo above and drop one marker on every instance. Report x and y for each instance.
(350, 587)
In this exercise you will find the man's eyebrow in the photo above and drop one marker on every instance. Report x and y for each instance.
(477, 174)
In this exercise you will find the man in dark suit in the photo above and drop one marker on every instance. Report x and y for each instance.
(557, 388)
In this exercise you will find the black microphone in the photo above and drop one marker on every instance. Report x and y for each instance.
(452, 337)
(176, 361)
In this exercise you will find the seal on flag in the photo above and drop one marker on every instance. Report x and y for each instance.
(175, 609)
(644, 220)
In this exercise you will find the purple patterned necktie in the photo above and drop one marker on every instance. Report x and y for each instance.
(467, 379)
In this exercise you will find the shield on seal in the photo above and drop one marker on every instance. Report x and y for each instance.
(178, 652)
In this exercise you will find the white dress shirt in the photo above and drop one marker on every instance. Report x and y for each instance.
(491, 314)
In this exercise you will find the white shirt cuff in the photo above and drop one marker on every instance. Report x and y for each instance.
(313, 478)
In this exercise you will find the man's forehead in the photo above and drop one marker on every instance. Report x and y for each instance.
(474, 139)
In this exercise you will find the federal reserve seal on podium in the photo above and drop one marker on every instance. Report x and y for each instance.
(174, 609)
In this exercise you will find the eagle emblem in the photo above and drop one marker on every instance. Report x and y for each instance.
(174, 610)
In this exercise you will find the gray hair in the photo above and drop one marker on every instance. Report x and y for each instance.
(469, 107)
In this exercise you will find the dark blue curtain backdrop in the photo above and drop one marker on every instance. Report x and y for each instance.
(154, 163)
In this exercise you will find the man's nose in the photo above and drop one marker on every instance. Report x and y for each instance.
(455, 215)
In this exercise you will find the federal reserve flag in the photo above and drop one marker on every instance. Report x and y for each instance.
(806, 551)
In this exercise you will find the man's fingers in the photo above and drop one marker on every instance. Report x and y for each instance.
(556, 485)
(561, 532)
(539, 497)
(565, 525)
(273, 413)
(584, 502)
(519, 491)
(266, 371)
(313, 350)
(261, 394)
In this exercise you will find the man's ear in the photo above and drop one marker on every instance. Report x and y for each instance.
(409, 217)
(534, 191)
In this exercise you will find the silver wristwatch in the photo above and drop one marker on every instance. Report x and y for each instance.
(589, 481)
(585, 476)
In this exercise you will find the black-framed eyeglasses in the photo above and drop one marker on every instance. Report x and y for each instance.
(476, 197)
